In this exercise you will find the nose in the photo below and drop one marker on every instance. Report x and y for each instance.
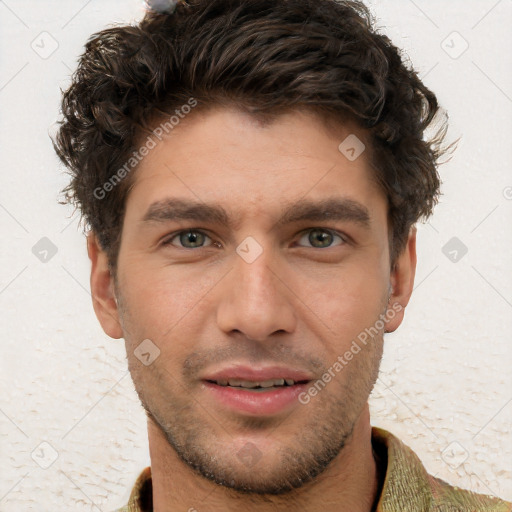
(256, 300)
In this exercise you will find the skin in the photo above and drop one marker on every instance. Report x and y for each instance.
(297, 304)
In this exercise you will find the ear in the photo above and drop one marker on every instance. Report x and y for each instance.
(402, 282)
(102, 289)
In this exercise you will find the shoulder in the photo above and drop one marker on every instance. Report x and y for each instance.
(447, 498)
(408, 486)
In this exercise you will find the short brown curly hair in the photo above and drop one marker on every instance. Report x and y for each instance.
(265, 57)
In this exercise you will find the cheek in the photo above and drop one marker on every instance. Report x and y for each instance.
(159, 301)
(347, 301)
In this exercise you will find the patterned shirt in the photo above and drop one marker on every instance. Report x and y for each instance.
(406, 486)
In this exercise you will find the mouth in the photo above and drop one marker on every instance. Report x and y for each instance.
(255, 396)
(257, 386)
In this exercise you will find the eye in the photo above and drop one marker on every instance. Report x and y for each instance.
(320, 238)
(190, 239)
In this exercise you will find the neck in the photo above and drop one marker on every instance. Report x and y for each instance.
(349, 484)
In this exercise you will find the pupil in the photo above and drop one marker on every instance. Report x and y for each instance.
(191, 239)
(319, 238)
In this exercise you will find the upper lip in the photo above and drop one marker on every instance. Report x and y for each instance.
(251, 373)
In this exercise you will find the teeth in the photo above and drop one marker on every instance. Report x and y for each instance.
(271, 382)
(251, 384)
(244, 384)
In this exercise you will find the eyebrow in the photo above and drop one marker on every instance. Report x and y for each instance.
(179, 209)
(335, 209)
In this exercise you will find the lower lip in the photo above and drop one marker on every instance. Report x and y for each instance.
(256, 402)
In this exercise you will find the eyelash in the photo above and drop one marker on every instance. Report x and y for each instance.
(343, 238)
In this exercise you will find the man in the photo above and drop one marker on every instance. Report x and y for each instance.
(252, 172)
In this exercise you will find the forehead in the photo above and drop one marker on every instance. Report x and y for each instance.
(226, 157)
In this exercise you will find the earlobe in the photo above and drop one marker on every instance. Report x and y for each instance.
(102, 289)
(401, 283)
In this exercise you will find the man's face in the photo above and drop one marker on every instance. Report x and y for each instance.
(286, 271)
